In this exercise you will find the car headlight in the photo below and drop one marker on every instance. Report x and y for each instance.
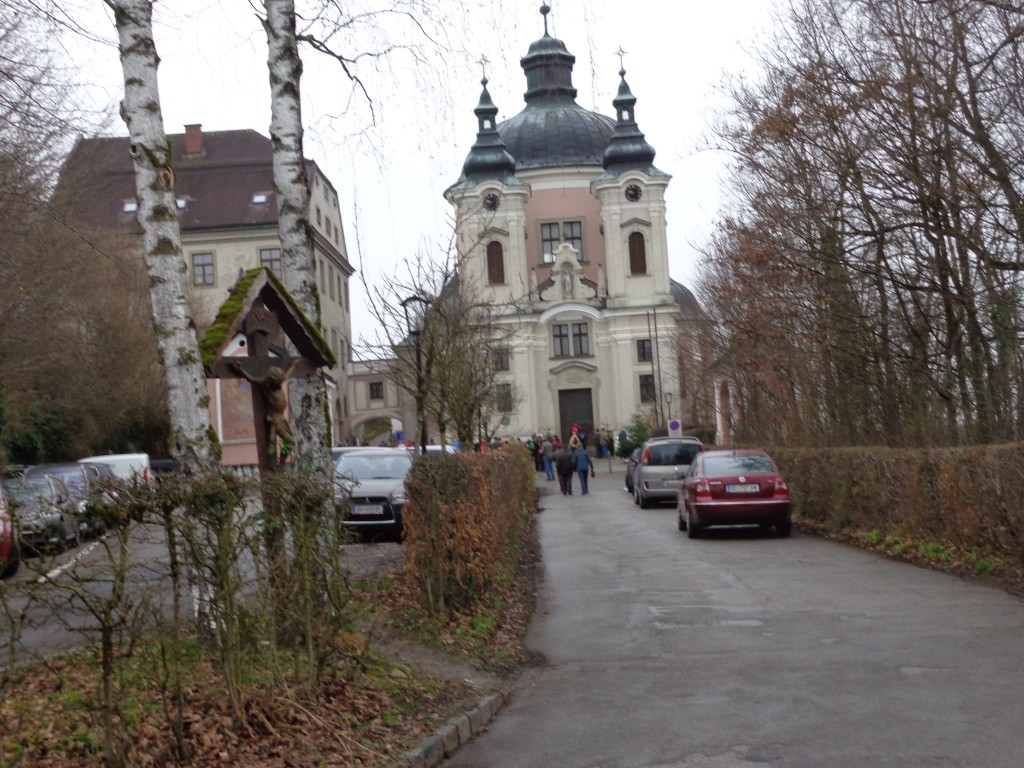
(397, 497)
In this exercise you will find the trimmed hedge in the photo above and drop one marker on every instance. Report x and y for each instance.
(464, 522)
(970, 499)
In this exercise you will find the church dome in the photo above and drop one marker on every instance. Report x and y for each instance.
(553, 131)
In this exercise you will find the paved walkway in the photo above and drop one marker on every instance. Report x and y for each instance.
(741, 649)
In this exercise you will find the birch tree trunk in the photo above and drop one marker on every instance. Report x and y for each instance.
(150, 149)
(307, 396)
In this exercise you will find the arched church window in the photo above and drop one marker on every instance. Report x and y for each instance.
(637, 254)
(495, 263)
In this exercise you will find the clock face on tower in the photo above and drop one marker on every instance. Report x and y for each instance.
(491, 201)
(633, 193)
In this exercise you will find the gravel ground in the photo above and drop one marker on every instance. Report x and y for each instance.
(372, 560)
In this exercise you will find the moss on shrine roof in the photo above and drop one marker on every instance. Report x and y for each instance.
(225, 324)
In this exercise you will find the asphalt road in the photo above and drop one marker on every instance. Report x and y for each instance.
(741, 649)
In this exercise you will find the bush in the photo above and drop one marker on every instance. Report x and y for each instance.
(965, 499)
(463, 523)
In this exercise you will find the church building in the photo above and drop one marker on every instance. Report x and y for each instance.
(561, 228)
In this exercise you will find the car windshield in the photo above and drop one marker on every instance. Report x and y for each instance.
(738, 465)
(74, 479)
(27, 489)
(672, 453)
(382, 467)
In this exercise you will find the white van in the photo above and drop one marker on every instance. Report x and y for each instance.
(128, 467)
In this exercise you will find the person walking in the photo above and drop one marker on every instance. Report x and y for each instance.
(564, 465)
(584, 467)
(547, 452)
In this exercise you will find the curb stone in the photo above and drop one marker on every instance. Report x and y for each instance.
(453, 734)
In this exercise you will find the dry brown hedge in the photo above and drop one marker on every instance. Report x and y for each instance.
(971, 499)
(463, 522)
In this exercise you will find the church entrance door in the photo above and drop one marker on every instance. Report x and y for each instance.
(575, 406)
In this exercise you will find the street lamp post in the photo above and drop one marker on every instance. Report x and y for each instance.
(414, 323)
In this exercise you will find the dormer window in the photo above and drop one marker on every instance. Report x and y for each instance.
(130, 206)
(259, 198)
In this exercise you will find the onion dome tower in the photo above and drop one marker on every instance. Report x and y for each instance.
(628, 149)
(489, 158)
(553, 131)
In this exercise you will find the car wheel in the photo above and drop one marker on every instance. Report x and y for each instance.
(784, 529)
(643, 501)
(692, 529)
(636, 495)
(680, 519)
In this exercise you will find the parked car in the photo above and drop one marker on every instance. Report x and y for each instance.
(10, 554)
(631, 462)
(433, 448)
(44, 512)
(128, 467)
(663, 462)
(88, 485)
(734, 488)
(371, 490)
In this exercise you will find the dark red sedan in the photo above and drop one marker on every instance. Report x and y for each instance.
(742, 487)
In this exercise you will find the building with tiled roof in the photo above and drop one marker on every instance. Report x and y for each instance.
(227, 209)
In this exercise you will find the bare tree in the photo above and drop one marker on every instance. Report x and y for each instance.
(867, 287)
(191, 441)
(308, 396)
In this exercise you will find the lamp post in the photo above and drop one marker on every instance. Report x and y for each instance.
(414, 323)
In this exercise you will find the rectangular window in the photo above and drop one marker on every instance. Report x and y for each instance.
(580, 339)
(503, 397)
(376, 390)
(271, 259)
(502, 359)
(647, 388)
(318, 215)
(643, 351)
(202, 269)
(323, 276)
(560, 337)
(554, 234)
(330, 279)
(572, 233)
(550, 240)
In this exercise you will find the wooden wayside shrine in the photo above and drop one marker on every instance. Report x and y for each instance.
(260, 309)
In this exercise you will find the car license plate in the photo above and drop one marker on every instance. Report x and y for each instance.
(671, 483)
(367, 509)
(747, 488)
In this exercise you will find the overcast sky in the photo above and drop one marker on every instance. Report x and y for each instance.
(392, 166)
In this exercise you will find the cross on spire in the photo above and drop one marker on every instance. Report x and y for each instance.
(621, 54)
(544, 11)
(483, 61)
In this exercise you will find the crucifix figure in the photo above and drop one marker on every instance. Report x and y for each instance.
(271, 386)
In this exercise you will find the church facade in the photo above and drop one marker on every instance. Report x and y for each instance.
(561, 228)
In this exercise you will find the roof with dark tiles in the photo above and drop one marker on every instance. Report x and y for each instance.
(217, 184)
